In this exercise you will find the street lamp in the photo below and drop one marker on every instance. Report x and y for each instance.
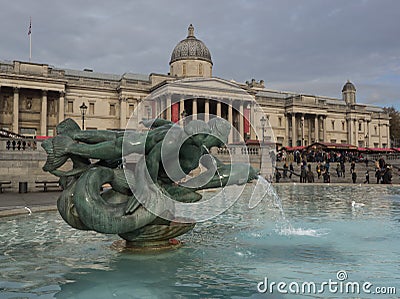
(83, 108)
(263, 121)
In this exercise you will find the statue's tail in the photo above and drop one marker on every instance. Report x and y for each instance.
(56, 149)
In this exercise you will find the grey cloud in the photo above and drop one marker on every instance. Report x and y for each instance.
(310, 46)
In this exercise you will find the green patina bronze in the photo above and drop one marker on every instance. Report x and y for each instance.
(84, 204)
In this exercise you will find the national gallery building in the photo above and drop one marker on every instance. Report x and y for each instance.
(34, 98)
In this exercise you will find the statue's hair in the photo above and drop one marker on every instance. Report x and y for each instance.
(67, 126)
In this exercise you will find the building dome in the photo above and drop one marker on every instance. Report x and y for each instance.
(348, 87)
(190, 48)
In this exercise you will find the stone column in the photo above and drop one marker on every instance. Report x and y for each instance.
(169, 103)
(241, 120)
(286, 141)
(122, 113)
(388, 135)
(15, 125)
(219, 108)
(324, 129)
(61, 106)
(162, 107)
(356, 132)
(302, 130)
(43, 114)
(316, 129)
(181, 107)
(369, 133)
(294, 135)
(348, 121)
(380, 133)
(253, 122)
(230, 120)
(207, 110)
(194, 109)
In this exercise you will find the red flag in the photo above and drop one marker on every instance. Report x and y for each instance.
(30, 27)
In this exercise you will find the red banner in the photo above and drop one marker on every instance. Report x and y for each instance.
(246, 119)
(175, 113)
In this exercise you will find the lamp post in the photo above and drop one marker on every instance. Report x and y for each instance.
(83, 108)
(263, 121)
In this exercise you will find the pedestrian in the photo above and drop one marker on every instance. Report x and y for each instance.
(285, 170)
(338, 170)
(291, 169)
(277, 176)
(366, 177)
(343, 169)
(310, 175)
(327, 177)
(318, 170)
(378, 175)
(354, 177)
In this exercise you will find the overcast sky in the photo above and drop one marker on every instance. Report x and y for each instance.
(304, 46)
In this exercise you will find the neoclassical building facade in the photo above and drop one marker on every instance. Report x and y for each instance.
(34, 98)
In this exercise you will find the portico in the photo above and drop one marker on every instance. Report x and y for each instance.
(205, 98)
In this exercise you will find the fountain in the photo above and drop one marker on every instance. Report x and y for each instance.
(151, 205)
(314, 235)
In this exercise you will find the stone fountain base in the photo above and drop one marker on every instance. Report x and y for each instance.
(146, 247)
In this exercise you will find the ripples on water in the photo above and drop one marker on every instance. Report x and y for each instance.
(41, 257)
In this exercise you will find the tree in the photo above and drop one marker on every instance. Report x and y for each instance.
(394, 125)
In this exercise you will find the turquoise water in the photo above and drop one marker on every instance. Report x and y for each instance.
(225, 257)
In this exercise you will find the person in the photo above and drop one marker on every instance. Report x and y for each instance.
(338, 170)
(303, 174)
(310, 175)
(327, 177)
(366, 177)
(285, 170)
(318, 170)
(378, 175)
(352, 166)
(354, 177)
(343, 169)
(387, 175)
(277, 176)
(291, 169)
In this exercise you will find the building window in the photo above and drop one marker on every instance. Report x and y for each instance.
(70, 106)
(200, 69)
(112, 109)
(333, 125)
(359, 127)
(376, 130)
(184, 69)
(91, 108)
(343, 126)
(131, 109)
(280, 121)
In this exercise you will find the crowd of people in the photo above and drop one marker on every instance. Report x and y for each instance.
(325, 161)
(21, 144)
